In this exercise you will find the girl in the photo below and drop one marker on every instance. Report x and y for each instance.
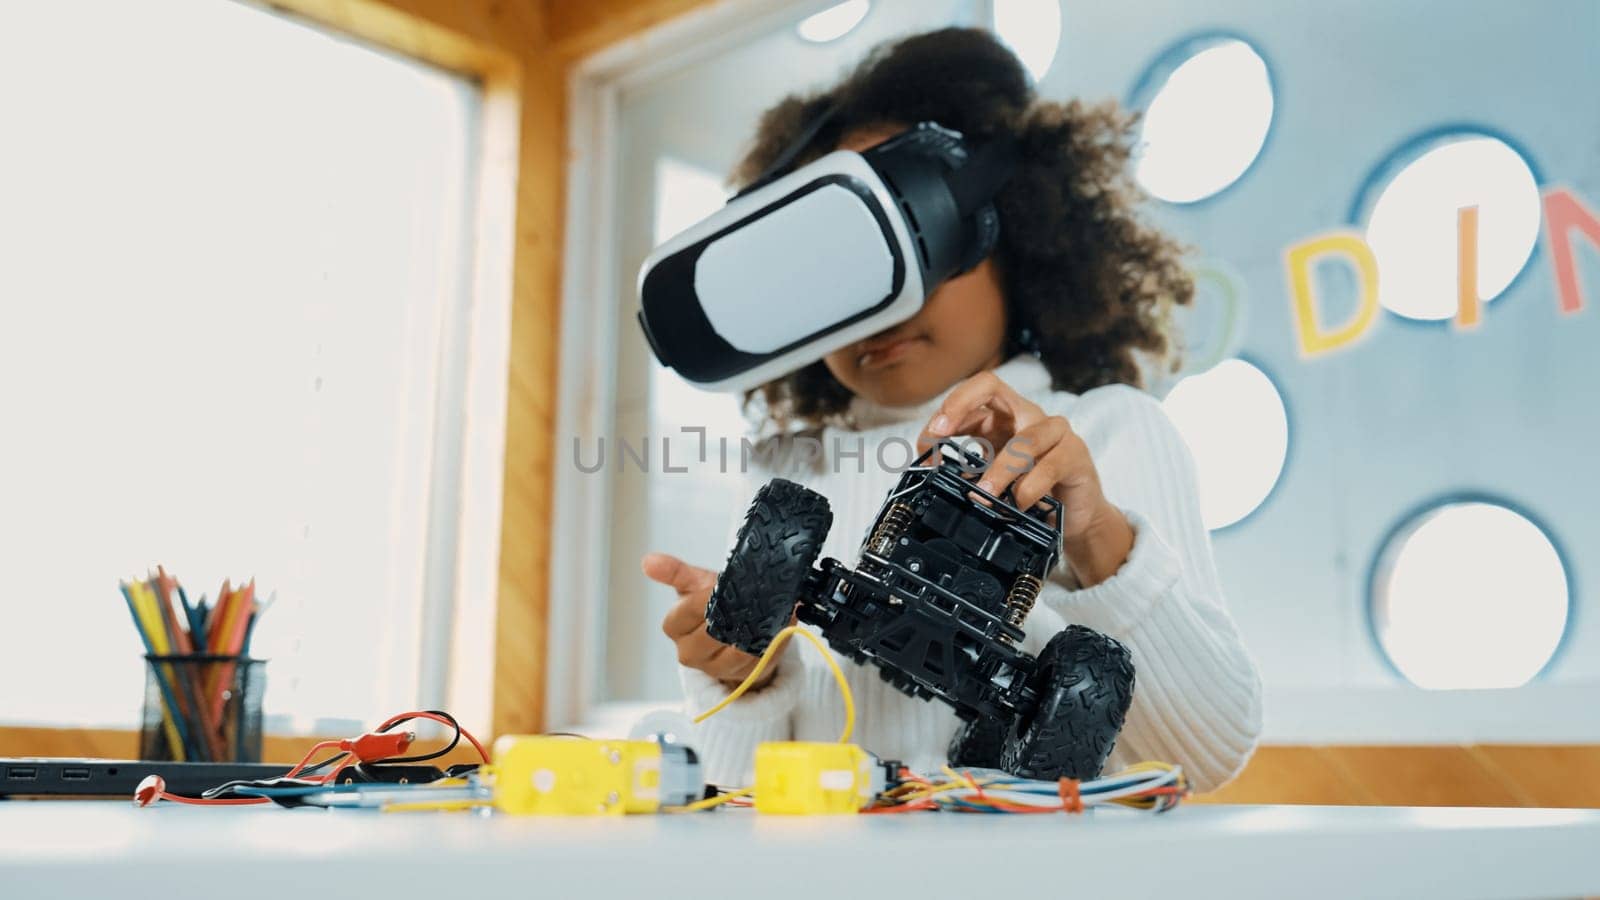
(1038, 348)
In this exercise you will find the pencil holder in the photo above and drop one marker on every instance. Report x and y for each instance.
(202, 708)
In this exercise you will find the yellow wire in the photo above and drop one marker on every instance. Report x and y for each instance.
(711, 802)
(761, 666)
(442, 805)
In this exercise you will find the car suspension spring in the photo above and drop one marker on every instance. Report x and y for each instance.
(1019, 602)
(896, 519)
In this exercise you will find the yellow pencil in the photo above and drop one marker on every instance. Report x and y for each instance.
(156, 634)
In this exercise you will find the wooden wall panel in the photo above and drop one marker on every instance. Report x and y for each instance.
(1548, 775)
(1292, 775)
(580, 27)
(522, 612)
(1450, 775)
(1428, 776)
(468, 36)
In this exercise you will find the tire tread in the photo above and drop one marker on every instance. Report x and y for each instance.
(777, 545)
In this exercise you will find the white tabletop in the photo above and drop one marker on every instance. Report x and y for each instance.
(99, 849)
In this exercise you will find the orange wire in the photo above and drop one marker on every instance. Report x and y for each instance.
(1071, 800)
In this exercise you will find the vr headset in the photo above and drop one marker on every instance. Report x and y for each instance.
(798, 265)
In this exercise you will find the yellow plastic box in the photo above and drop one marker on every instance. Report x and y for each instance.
(557, 776)
(804, 778)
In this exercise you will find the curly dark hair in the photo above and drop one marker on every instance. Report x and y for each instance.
(1093, 283)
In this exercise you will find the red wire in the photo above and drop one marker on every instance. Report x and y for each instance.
(329, 776)
(484, 754)
(902, 808)
(202, 801)
(305, 760)
(333, 777)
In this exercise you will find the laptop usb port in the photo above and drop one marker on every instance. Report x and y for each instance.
(75, 773)
(21, 773)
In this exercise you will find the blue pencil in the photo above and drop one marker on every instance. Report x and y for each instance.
(197, 628)
(255, 616)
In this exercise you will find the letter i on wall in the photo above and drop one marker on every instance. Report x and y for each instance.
(1469, 306)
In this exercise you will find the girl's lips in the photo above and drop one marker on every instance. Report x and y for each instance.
(878, 355)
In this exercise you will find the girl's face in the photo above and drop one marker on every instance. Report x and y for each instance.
(959, 331)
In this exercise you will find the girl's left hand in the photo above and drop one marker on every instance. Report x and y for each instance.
(1041, 455)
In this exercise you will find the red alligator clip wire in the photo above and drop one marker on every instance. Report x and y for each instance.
(379, 745)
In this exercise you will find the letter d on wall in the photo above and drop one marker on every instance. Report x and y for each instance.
(1314, 339)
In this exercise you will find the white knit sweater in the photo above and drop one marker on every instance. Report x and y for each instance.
(1197, 697)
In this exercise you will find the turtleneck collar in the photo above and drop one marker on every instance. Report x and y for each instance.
(1026, 374)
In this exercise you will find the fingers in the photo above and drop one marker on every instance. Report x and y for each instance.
(1056, 471)
(696, 649)
(685, 617)
(699, 650)
(982, 400)
(685, 622)
(1023, 457)
(677, 574)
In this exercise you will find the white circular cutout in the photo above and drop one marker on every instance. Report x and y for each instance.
(1412, 226)
(1233, 420)
(834, 22)
(1470, 595)
(1206, 124)
(1032, 29)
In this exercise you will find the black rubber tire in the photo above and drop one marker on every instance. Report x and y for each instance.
(979, 744)
(1084, 683)
(758, 589)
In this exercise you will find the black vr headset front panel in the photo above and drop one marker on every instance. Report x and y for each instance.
(678, 328)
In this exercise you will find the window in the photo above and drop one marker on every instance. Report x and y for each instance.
(675, 481)
(1469, 594)
(1233, 420)
(685, 194)
(1032, 29)
(232, 342)
(1412, 226)
(1208, 107)
(834, 22)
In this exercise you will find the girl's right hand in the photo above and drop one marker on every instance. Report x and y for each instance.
(685, 624)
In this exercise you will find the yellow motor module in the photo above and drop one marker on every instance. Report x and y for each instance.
(563, 776)
(804, 778)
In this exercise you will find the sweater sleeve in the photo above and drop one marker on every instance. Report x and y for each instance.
(1197, 696)
(727, 741)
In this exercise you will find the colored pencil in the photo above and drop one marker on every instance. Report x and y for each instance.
(169, 719)
(194, 695)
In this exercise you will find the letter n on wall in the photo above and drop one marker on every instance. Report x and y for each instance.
(1564, 213)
